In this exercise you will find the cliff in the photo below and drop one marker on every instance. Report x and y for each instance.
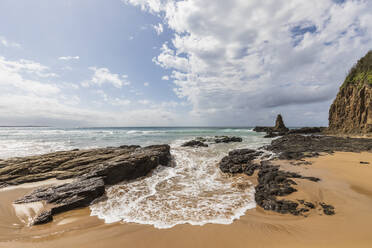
(351, 111)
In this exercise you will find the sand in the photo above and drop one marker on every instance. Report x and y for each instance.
(346, 184)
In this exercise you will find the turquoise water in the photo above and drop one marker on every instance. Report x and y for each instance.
(29, 141)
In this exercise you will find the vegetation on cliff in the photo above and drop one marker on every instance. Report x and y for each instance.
(351, 111)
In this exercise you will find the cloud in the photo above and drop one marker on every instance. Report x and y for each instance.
(244, 59)
(6, 43)
(24, 75)
(165, 78)
(158, 28)
(104, 76)
(67, 58)
(146, 84)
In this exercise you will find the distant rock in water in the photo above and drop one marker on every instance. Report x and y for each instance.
(351, 111)
(278, 129)
(200, 141)
(279, 124)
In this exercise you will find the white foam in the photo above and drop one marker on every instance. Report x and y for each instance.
(193, 192)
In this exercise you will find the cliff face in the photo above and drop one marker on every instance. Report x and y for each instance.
(351, 111)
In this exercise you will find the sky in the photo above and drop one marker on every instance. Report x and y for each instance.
(77, 63)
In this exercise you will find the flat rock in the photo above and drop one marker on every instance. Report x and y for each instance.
(297, 146)
(92, 170)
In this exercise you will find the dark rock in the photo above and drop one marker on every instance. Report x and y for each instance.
(227, 139)
(309, 205)
(362, 162)
(307, 130)
(272, 182)
(194, 143)
(271, 135)
(43, 218)
(279, 124)
(240, 161)
(327, 209)
(92, 169)
(297, 146)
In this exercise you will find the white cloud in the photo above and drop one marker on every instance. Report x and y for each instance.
(165, 78)
(146, 84)
(6, 43)
(69, 58)
(104, 76)
(238, 60)
(22, 75)
(158, 28)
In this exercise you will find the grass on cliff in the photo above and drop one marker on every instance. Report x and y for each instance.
(361, 72)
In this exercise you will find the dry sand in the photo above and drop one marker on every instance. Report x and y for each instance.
(346, 184)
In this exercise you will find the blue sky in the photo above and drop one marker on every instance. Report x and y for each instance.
(176, 63)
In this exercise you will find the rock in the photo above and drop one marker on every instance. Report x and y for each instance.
(227, 139)
(194, 143)
(240, 161)
(351, 111)
(43, 218)
(92, 169)
(131, 161)
(279, 124)
(272, 182)
(306, 130)
(327, 209)
(200, 141)
(277, 130)
(297, 146)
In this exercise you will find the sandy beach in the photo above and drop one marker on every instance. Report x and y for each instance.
(345, 184)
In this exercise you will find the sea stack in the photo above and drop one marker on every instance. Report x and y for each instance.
(351, 111)
(279, 124)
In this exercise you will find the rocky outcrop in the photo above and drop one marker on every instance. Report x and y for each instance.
(351, 111)
(297, 146)
(194, 143)
(279, 127)
(92, 170)
(272, 182)
(201, 142)
(240, 161)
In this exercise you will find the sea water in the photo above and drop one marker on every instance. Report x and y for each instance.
(192, 190)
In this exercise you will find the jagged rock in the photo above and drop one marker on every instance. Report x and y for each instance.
(200, 141)
(92, 169)
(227, 139)
(297, 146)
(240, 161)
(327, 209)
(43, 218)
(278, 130)
(351, 111)
(272, 181)
(279, 124)
(194, 143)
(131, 161)
(306, 130)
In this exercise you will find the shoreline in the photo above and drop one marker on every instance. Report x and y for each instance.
(344, 183)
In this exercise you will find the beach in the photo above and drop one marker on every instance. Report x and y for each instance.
(345, 183)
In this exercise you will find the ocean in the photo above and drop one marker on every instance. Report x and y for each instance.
(192, 190)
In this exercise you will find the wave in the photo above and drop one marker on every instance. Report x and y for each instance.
(194, 192)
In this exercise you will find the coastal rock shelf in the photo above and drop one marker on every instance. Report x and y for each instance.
(92, 170)
(272, 182)
(298, 146)
(201, 141)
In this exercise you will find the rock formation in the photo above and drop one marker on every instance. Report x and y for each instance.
(92, 170)
(351, 111)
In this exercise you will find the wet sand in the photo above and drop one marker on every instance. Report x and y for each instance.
(346, 184)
